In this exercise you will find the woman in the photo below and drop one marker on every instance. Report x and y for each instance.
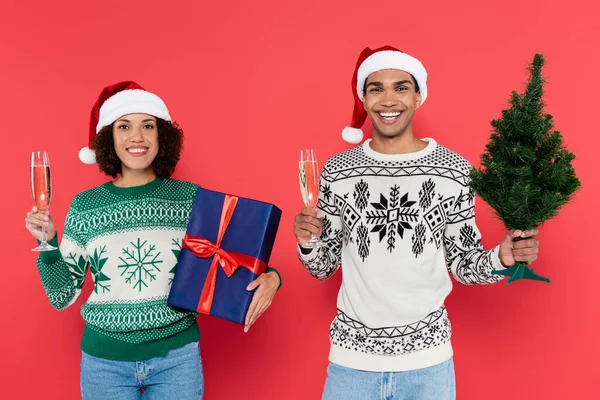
(129, 232)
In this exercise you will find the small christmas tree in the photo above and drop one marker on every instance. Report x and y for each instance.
(527, 173)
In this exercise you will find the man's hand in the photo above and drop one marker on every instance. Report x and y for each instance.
(525, 250)
(306, 224)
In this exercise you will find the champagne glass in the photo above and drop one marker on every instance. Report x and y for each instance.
(41, 190)
(309, 187)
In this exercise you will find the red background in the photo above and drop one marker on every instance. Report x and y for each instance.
(251, 83)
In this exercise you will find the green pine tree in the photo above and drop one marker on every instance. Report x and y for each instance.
(526, 174)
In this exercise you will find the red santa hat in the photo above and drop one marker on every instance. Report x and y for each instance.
(371, 61)
(115, 101)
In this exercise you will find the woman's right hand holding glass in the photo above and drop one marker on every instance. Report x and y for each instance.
(34, 221)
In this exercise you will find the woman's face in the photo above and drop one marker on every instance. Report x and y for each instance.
(136, 141)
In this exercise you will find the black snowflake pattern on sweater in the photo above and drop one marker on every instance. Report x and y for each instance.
(363, 241)
(326, 191)
(422, 217)
(365, 202)
(436, 218)
(426, 194)
(431, 331)
(361, 195)
(391, 216)
(464, 253)
(349, 215)
(418, 240)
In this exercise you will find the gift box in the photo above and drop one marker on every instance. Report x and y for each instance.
(227, 245)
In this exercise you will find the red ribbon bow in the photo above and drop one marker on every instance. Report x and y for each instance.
(229, 261)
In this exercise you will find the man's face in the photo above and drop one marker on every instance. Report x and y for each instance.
(390, 100)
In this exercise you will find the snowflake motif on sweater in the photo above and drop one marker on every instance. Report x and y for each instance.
(130, 240)
(398, 226)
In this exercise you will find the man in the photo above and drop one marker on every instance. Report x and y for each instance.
(397, 214)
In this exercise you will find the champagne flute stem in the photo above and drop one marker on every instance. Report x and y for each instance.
(44, 233)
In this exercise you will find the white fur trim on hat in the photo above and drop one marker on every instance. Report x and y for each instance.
(129, 102)
(352, 135)
(389, 59)
(87, 156)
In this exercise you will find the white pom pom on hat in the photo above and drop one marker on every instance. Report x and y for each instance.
(114, 101)
(87, 155)
(369, 62)
(352, 135)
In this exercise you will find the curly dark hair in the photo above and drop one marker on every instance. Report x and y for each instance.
(170, 143)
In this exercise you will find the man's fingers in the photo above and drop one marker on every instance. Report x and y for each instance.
(310, 212)
(515, 233)
(527, 243)
(309, 228)
(307, 224)
(510, 236)
(309, 220)
(525, 252)
(530, 233)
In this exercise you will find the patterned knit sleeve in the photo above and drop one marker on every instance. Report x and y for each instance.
(323, 262)
(63, 271)
(467, 260)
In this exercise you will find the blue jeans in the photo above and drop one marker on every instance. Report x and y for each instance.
(178, 375)
(431, 383)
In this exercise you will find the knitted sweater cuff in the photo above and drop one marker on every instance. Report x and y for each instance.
(496, 259)
(50, 257)
(271, 269)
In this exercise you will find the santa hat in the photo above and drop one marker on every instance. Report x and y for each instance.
(115, 101)
(371, 61)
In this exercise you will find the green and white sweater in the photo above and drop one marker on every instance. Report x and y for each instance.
(130, 238)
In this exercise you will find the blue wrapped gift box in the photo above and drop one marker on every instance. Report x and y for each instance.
(227, 245)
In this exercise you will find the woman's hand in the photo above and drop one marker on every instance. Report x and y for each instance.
(34, 221)
(266, 286)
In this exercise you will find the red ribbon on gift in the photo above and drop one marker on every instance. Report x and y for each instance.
(230, 261)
